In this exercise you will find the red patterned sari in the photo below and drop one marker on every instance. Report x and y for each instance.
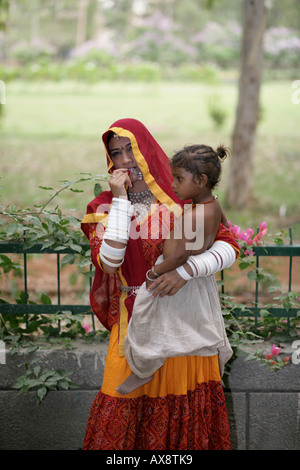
(183, 407)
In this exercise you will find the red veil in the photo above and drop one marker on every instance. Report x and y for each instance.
(154, 165)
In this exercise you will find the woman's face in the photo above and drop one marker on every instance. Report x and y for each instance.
(120, 151)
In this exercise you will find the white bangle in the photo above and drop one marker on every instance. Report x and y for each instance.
(119, 219)
(112, 252)
(147, 275)
(219, 256)
(182, 272)
(153, 272)
(109, 263)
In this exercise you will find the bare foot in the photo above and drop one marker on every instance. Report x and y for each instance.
(131, 383)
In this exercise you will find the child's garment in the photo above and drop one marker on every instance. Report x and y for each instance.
(189, 323)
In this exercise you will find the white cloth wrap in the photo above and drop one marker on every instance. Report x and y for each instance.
(117, 229)
(189, 323)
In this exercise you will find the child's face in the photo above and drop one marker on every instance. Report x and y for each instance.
(184, 185)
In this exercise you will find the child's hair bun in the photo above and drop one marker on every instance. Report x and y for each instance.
(222, 152)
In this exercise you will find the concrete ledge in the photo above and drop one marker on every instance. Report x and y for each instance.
(263, 406)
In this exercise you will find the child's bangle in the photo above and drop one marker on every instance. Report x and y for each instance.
(155, 274)
(147, 276)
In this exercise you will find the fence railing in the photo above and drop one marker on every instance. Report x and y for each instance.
(28, 308)
(289, 251)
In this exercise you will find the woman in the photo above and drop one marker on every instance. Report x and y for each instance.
(183, 406)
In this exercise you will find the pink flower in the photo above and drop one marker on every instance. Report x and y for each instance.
(86, 328)
(257, 238)
(235, 230)
(275, 350)
(249, 232)
(263, 228)
(248, 253)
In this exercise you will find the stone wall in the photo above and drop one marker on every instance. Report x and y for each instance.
(263, 406)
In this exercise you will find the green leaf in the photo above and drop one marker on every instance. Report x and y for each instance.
(45, 299)
(37, 370)
(41, 393)
(252, 276)
(68, 259)
(48, 243)
(76, 190)
(97, 189)
(75, 247)
(64, 384)
(60, 247)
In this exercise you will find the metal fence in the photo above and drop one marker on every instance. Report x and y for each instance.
(28, 308)
(289, 251)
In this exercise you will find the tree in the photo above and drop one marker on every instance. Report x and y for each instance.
(239, 188)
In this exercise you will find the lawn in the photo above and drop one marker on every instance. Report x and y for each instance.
(52, 131)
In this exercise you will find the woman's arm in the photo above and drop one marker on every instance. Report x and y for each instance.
(113, 246)
(219, 256)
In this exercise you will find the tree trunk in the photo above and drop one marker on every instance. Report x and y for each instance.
(81, 22)
(240, 177)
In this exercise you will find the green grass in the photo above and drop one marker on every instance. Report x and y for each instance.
(52, 131)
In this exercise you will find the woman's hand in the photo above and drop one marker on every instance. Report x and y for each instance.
(119, 182)
(167, 284)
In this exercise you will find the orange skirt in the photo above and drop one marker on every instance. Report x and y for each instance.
(182, 408)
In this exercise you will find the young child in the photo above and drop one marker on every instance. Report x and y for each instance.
(189, 322)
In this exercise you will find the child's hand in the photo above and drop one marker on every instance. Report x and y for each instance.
(148, 283)
(167, 284)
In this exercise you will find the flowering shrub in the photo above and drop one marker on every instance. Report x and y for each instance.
(282, 46)
(248, 238)
(273, 359)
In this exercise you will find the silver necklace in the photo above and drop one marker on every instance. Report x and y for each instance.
(141, 202)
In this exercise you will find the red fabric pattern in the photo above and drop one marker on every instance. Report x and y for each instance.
(196, 421)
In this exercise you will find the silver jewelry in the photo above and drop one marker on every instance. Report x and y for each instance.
(130, 290)
(142, 197)
(147, 276)
(141, 202)
(137, 172)
(155, 274)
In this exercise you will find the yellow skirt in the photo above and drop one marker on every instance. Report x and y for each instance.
(177, 376)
